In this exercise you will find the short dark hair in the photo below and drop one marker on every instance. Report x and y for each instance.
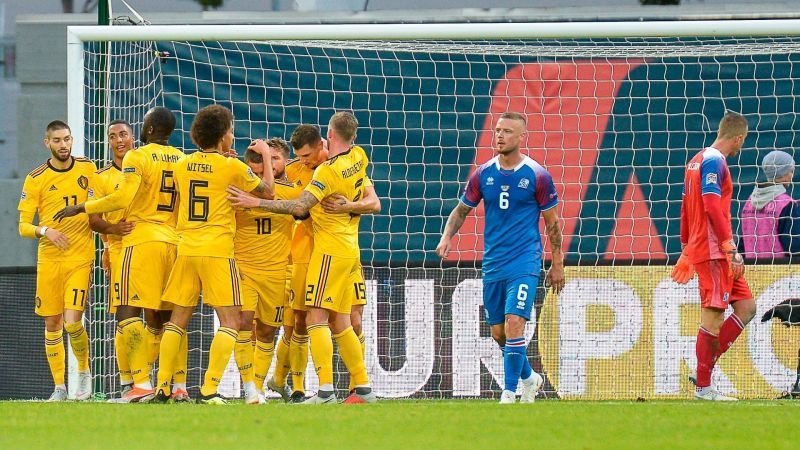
(515, 116)
(305, 135)
(121, 122)
(162, 120)
(210, 125)
(251, 156)
(55, 126)
(345, 124)
(281, 145)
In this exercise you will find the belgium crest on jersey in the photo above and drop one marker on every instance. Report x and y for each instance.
(83, 182)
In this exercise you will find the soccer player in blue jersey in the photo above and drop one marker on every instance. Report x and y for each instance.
(515, 190)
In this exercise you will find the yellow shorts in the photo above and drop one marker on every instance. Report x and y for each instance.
(145, 269)
(288, 312)
(264, 291)
(331, 281)
(359, 287)
(62, 285)
(114, 256)
(217, 278)
(297, 287)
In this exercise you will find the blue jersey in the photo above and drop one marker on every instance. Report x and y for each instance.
(513, 200)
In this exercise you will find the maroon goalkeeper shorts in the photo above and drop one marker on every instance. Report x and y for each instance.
(718, 289)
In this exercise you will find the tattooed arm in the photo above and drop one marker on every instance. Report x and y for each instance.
(555, 276)
(454, 222)
(298, 207)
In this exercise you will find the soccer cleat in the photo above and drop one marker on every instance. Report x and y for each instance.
(531, 389)
(693, 378)
(711, 394)
(84, 386)
(507, 397)
(284, 390)
(138, 395)
(162, 397)
(251, 394)
(361, 395)
(125, 388)
(213, 399)
(58, 395)
(321, 397)
(180, 396)
(297, 397)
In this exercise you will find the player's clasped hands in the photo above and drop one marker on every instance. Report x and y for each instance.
(335, 204)
(242, 199)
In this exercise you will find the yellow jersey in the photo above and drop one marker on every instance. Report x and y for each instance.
(47, 190)
(263, 238)
(105, 182)
(303, 239)
(343, 174)
(147, 194)
(206, 219)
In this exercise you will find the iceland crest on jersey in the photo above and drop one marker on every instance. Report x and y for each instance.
(513, 200)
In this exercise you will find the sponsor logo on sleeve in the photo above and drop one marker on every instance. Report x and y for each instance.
(318, 185)
(129, 170)
(23, 196)
(250, 173)
(711, 178)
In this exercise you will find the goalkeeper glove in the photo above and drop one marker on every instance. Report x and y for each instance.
(683, 270)
(735, 260)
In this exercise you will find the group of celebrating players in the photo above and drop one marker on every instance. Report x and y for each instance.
(272, 242)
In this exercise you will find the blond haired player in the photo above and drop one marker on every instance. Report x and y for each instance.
(148, 195)
(112, 226)
(205, 262)
(261, 248)
(333, 267)
(65, 256)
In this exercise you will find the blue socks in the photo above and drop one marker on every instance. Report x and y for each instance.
(515, 363)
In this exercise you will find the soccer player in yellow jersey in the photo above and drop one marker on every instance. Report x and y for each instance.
(65, 256)
(205, 262)
(333, 267)
(112, 227)
(148, 195)
(261, 247)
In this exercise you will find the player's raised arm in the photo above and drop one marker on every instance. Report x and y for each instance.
(265, 189)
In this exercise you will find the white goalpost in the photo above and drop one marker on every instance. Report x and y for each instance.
(615, 110)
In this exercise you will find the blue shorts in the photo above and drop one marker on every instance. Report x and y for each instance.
(514, 296)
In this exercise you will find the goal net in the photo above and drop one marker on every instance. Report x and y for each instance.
(613, 119)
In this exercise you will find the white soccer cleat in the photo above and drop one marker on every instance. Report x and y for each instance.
(711, 394)
(530, 388)
(84, 386)
(251, 394)
(319, 400)
(507, 397)
(285, 392)
(58, 395)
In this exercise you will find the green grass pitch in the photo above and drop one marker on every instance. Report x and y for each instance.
(456, 424)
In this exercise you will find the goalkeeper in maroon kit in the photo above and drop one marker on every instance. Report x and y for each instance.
(709, 250)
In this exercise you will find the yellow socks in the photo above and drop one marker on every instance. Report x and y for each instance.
(350, 351)
(243, 353)
(153, 336)
(122, 358)
(181, 361)
(282, 363)
(298, 360)
(363, 340)
(263, 359)
(54, 348)
(167, 356)
(79, 341)
(218, 357)
(322, 352)
(137, 345)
